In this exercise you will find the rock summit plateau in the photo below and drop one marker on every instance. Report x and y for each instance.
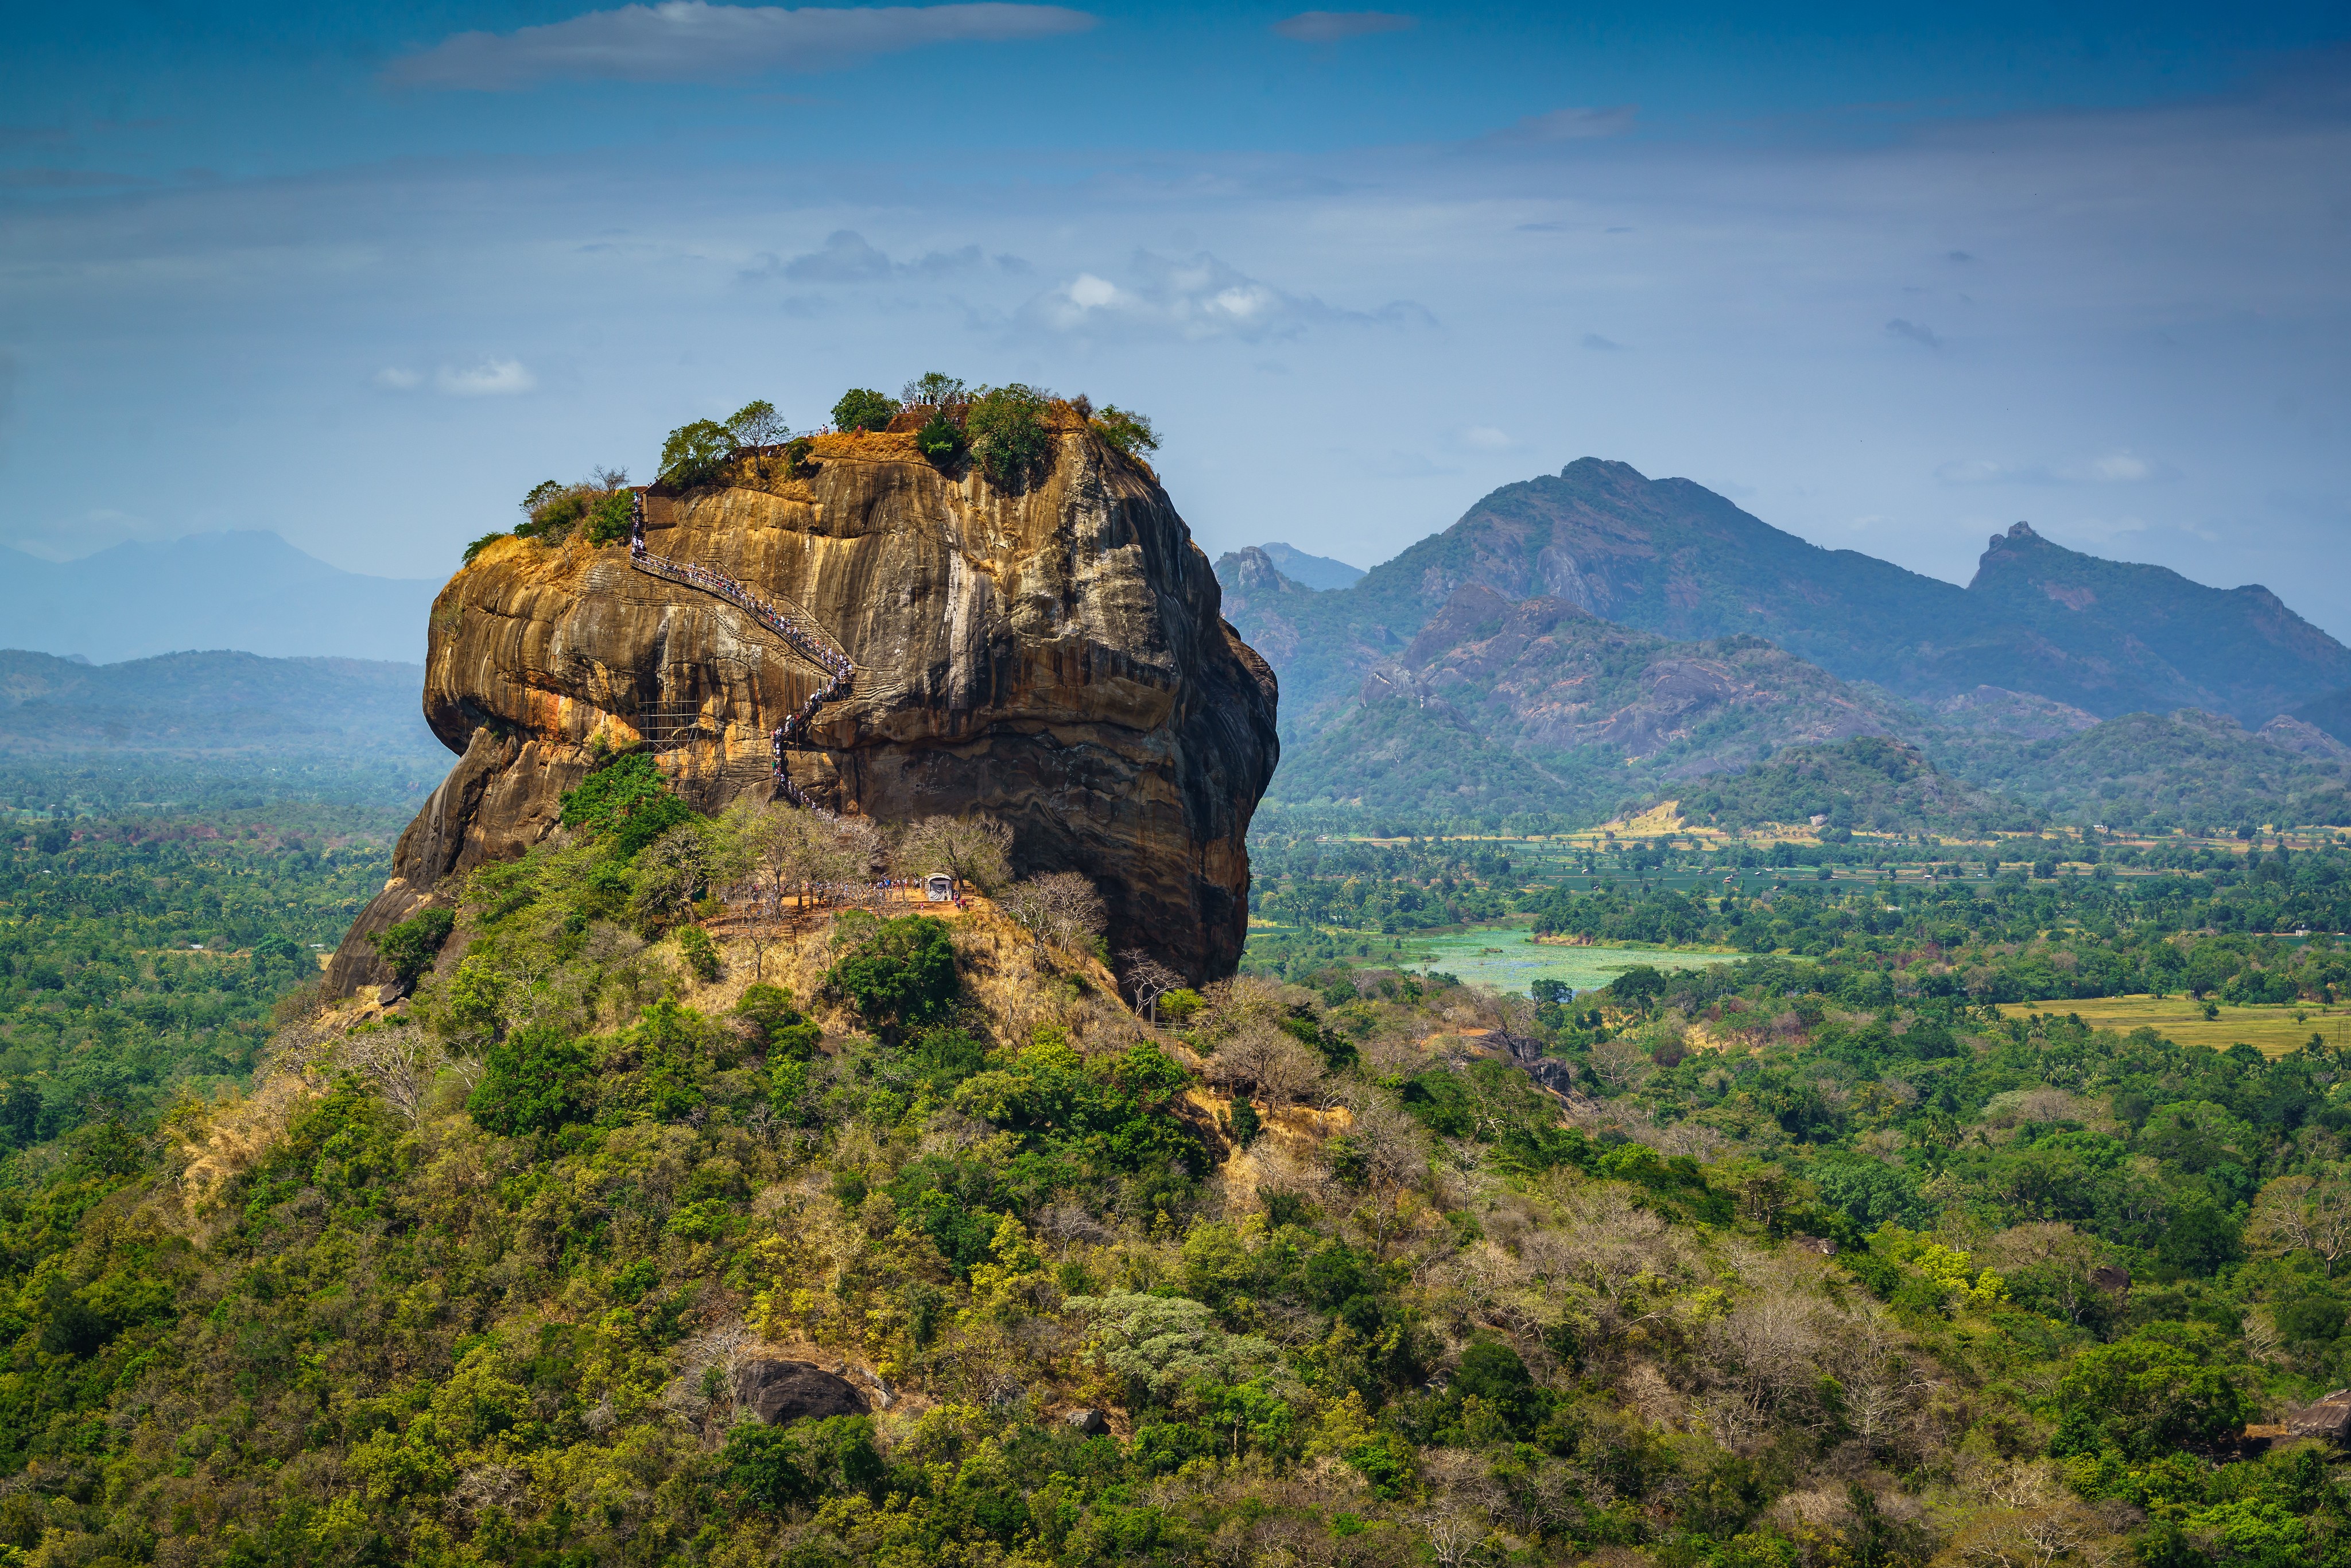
(1053, 654)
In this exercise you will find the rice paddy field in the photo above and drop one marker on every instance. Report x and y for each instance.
(2271, 1030)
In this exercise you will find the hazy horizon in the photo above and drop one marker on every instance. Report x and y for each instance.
(1890, 285)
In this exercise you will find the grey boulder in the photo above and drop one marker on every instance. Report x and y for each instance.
(781, 1391)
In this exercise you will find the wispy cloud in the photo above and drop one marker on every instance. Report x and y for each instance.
(487, 378)
(1201, 298)
(1337, 26)
(1581, 124)
(1913, 332)
(75, 535)
(1605, 345)
(2121, 466)
(65, 178)
(491, 378)
(689, 40)
(847, 257)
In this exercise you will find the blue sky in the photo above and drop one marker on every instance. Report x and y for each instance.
(1891, 281)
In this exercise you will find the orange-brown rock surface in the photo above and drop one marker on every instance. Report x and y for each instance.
(1054, 655)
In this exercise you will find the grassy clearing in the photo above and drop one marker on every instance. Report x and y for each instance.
(2274, 1032)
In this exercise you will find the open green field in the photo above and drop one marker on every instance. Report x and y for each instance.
(1505, 958)
(1509, 958)
(2271, 1030)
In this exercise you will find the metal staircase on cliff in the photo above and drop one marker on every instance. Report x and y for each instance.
(804, 634)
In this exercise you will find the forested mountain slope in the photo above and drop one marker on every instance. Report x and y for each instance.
(1540, 706)
(528, 1272)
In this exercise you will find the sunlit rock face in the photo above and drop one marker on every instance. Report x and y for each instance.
(1052, 654)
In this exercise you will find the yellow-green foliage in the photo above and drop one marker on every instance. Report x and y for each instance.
(472, 1289)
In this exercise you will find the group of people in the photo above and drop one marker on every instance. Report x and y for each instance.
(805, 638)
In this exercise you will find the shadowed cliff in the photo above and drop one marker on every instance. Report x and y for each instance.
(1054, 655)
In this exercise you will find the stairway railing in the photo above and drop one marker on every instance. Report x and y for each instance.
(804, 634)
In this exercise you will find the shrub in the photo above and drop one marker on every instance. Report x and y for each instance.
(862, 408)
(2145, 1395)
(479, 545)
(626, 802)
(784, 1467)
(702, 958)
(410, 947)
(534, 1081)
(902, 972)
(940, 438)
(779, 1025)
(609, 517)
(1005, 428)
(1177, 1007)
(695, 454)
(550, 510)
(1130, 432)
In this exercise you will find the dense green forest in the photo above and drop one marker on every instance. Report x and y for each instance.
(1762, 1266)
(141, 957)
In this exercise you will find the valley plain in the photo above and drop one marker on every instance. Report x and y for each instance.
(1705, 1053)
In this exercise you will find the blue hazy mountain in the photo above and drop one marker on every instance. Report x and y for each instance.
(246, 590)
(1316, 572)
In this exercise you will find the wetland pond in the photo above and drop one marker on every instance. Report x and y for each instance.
(1509, 959)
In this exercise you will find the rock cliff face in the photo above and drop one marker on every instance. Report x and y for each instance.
(1054, 655)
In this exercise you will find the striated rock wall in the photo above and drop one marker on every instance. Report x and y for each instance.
(1054, 655)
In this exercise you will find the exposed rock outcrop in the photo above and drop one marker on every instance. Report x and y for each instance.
(1053, 654)
(780, 1392)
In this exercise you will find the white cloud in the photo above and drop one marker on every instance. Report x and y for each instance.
(1972, 471)
(491, 378)
(1486, 438)
(394, 378)
(1337, 26)
(1201, 298)
(688, 40)
(2118, 468)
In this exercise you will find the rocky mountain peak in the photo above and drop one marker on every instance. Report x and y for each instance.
(1052, 654)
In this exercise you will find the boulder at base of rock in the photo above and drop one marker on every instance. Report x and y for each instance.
(1090, 1423)
(781, 1391)
(2329, 1419)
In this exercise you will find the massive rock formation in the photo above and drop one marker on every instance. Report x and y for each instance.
(1052, 654)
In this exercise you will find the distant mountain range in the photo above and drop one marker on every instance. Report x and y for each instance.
(250, 591)
(1577, 643)
(1316, 572)
(215, 705)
